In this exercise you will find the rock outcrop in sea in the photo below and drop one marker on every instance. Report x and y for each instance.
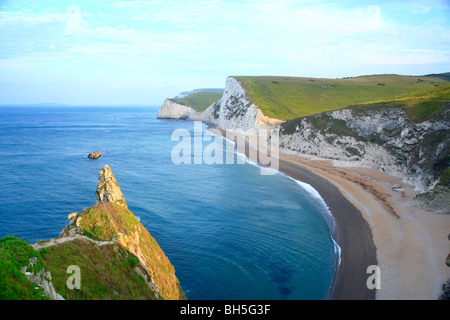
(94, 155)
(108, 189)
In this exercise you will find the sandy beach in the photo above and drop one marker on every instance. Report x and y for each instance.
(411, 244)
(375, 226)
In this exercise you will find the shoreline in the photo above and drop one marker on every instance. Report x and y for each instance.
(349, 280)
(357, 249)
(375, 226)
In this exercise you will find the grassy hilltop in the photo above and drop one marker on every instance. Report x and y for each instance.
(287, 98)
(201, 99)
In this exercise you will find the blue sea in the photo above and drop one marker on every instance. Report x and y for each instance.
(230, 232)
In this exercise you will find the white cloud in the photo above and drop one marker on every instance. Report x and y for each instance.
(374, 21)
(74, 19)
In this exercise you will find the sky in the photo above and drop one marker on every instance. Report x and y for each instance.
(139, 52)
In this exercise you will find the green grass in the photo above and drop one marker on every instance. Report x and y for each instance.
(420, 105)
(287, 98)
(199, 101)
(107, 272)
(14, 254)
(105, 221)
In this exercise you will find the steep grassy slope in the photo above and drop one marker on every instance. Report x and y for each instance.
(201, 100)
(287, 98)
(107, 272)
(14, 254)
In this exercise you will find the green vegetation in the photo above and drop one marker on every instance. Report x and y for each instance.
(107, 272)
(423, 104)
(201, 100)
(105, 221)
(420, 105)
(324, 123)
(14, 255)
(287, 98)
(444, 180)
(332, 126)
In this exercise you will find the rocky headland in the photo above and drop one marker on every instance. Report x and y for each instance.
(116, 255)
(173, 110)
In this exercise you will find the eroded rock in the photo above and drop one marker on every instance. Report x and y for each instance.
(94, 155)
(108, 189)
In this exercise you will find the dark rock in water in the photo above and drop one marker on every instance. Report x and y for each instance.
(94, 155)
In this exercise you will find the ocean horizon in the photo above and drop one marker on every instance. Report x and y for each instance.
(230, 232)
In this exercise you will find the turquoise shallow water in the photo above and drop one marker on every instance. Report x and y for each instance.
(230, 232)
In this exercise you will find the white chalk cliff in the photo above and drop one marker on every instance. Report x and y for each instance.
(173, 110)
(234, 111)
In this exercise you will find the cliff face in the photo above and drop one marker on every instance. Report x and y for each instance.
(236, 112)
